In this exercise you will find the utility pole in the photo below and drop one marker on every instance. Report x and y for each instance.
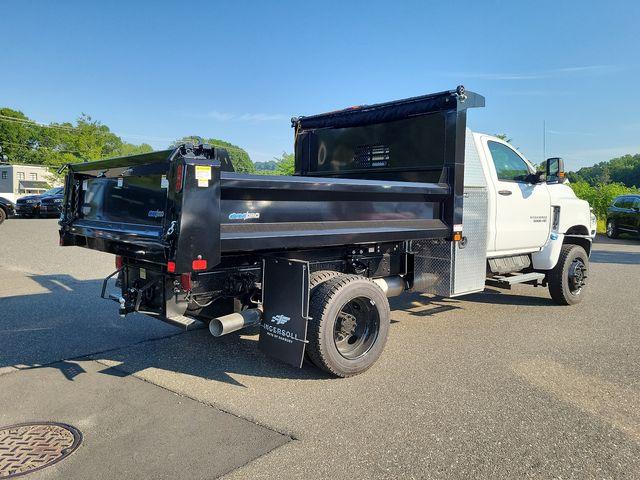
(544, 140)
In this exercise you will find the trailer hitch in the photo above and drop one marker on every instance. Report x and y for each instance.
(130, 300)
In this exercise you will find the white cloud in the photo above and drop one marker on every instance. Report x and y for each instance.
(245, 117)
(147, 138)
(556, 132)
(542, 74)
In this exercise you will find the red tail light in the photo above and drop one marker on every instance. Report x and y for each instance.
(185, 281)
(171, 267)
(119, 262)
(199, 264)
(179, 171)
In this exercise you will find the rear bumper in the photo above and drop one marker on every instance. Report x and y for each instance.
(152, 292)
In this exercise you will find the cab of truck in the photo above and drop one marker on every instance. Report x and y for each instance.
(531, 214)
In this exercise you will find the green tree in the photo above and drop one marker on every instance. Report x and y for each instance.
(56, 144)
(285, 164)
(624, 170)
(239, 157)
(268, 166)
(600, 196)
(503, 136)
(18, 136)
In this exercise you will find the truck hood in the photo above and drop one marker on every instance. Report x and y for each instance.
(29, 197)
(5, 201)
(574, 212)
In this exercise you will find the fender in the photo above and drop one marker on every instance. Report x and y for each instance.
(547, 257)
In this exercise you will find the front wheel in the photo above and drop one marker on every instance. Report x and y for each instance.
(568, 279)
(349, 324)
(3, 215)
(612, 230)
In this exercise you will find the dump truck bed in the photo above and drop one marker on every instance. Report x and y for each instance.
(372, 174)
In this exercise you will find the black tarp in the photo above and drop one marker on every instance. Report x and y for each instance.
(390, 111)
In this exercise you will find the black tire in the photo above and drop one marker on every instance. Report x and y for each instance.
(3, 215)
(341, 343)
(612, 230)
(321, 276)
(567, 281)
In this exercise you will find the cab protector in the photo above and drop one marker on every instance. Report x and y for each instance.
(419, 139)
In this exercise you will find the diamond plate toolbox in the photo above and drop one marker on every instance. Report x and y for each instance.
(470, 255)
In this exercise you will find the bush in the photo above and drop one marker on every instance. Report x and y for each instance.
(600, 196)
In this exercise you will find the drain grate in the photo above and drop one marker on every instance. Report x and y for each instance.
(27, 447)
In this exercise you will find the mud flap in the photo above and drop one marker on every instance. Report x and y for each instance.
(285, 299)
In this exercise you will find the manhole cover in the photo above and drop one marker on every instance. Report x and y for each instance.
(27, 447)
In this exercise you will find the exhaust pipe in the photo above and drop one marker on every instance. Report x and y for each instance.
(391, 286)
(234, 321)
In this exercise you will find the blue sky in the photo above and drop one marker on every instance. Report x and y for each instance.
(238, 70)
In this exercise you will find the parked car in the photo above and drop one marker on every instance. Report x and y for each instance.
(51, 205)
(7, 209)
(624, 216)
(29, 205)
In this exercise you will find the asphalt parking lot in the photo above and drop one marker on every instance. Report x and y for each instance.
(495, 385)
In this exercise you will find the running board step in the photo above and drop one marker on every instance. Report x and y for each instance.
(506, 281)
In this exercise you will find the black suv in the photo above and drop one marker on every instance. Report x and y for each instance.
(7, 209)
(624, 215)
(29, 205)
(51, 204)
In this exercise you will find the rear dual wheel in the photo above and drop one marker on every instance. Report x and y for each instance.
(349, 323)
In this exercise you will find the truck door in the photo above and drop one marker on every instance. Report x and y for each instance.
(522, 209)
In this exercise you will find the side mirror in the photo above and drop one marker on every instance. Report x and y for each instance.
(555, 170)
(535, 178)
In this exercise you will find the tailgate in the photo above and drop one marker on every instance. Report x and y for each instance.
(144, 206)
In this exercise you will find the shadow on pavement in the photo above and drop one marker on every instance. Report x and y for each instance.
(423, 305)
(65, 319)
(497, 297)
(426, 305)
(622, 258)
(623, 239)
(70, 321)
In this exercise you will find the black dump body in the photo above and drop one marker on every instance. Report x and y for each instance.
(366, 175)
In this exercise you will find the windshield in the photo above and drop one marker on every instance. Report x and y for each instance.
(54, 191)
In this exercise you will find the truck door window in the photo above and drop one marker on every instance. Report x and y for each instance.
(509, 166)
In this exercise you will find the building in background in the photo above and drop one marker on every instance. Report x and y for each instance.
(19, 180)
